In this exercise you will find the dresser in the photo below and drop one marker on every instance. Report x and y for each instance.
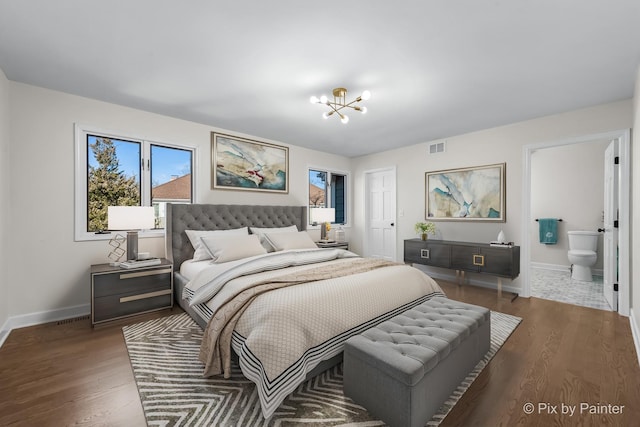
(119, 292)
(482, 258)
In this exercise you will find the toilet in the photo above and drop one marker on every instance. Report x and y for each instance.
(582, 253)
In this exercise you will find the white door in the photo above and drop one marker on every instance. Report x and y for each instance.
(610, 231)
(380, 214)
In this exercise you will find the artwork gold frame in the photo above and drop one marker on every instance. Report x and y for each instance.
(243, 164)
(466, 194)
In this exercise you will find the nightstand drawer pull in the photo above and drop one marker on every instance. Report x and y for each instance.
(478, 260)
(145, 296)
(424, 253)
(144, 273)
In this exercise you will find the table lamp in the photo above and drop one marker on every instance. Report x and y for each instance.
(130, 219)
(323, 216)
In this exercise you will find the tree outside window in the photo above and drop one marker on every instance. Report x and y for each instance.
(108, 183)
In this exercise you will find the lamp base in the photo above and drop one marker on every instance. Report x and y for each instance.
(132, 245)
(323, 232)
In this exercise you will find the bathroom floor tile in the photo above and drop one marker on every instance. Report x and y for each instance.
(558, 286)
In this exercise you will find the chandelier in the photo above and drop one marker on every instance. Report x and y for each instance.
(340, 102)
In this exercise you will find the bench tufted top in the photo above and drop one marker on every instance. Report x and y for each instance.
(414, 342)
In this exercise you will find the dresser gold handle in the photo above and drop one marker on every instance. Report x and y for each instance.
(478, 260)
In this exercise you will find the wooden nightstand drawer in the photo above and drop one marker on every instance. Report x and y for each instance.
(336, 245)
(131, 281)
(114, 306)
(118, 292)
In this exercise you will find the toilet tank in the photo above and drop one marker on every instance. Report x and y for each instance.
(583, 240)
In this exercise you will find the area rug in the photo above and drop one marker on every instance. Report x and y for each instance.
(164, 357)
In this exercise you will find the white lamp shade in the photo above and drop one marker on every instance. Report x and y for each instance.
(321, 215)
(130, 217)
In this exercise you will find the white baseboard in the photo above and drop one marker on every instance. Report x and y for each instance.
(4, 333)
(38, 318)
(635, 331)
(551, 267)
(563, 268)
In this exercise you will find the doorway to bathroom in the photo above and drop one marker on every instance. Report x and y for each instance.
(565, 181)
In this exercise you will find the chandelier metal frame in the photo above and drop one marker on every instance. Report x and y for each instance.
(340, 102)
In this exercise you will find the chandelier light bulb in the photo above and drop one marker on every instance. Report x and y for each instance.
(325, 115)
(323, 99)
(366, 95)
(344, 119)
(363, 110)
(314, 100)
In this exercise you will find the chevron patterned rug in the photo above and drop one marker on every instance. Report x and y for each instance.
(164, 357)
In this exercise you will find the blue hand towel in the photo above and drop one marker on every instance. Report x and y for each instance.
(548, 230)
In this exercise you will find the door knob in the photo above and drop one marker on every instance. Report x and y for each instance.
(601, 230)
(393, 224)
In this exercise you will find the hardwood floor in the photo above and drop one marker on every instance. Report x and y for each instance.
(68, 373)
(560, 355)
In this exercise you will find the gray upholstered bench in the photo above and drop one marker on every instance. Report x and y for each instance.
(405, 368)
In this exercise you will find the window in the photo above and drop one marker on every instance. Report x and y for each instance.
(171, 171)
(329, 190)
(114, 170)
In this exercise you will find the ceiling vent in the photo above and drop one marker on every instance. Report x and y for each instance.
(437, 147)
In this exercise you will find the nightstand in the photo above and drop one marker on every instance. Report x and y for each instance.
(338, 245)
(120, 292)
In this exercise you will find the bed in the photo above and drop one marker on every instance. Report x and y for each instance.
(285, 314)
(181, 217)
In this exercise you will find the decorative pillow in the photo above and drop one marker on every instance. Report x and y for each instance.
(230, 248)
(284, 241)
(262, 231)
(200, 253)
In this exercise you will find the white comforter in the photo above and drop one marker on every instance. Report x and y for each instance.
(284, 333)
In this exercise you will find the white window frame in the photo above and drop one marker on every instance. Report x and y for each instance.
(81, 169)
(347, 201)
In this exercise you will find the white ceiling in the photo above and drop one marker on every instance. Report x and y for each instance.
(434, 68)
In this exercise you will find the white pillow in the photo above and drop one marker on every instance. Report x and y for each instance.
(200, 252)
(262, 231)
(284, 241)
(230, 248)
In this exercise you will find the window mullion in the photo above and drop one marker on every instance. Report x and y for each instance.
(145, 174)
(329, 199)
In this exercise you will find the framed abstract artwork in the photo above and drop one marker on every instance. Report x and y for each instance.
(466, 194)
(243, 164)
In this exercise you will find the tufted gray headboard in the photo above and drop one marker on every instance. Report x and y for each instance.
(180, 217)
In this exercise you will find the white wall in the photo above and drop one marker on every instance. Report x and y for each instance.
(46, 268)
(48, 271)
(4, 205)
(635, 220)
(567, 182)
(497, 145)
